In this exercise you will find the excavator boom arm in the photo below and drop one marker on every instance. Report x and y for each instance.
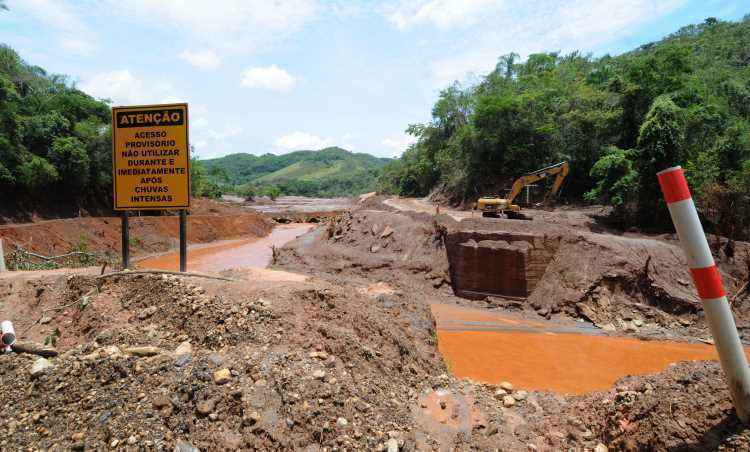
(561, 169)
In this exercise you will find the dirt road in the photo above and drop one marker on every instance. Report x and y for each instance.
(424, 206)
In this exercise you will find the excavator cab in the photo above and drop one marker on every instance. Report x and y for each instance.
(494, 206)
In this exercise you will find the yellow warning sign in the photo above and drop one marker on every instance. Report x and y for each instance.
(150, 157)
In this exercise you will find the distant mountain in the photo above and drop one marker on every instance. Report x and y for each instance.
(328, 172)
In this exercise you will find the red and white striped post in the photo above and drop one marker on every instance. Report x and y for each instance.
(707, 280)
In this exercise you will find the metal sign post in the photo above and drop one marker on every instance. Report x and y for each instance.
(125, 240)
(183, 240)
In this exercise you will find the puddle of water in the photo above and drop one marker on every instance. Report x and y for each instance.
(230, 254)
(489, 348)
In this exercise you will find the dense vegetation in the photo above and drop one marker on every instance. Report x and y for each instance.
(618, 120)
(54, 139)
(327, 172)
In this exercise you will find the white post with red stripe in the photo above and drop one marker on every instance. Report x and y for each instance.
(707, 280)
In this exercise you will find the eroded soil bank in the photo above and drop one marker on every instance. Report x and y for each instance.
(152, 234)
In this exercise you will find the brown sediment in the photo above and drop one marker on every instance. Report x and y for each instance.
(563, 363)
(444, 313)
(251, 252)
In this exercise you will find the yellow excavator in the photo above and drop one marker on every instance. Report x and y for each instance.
(494, 206)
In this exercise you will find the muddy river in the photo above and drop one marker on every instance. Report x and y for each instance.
(228, 254)
(567, 358)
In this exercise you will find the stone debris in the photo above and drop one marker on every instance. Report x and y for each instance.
(222, 376)
(183, 349)
(41, 366)
(143, 351)
(148, 312)
(184, 446)
(205, 407)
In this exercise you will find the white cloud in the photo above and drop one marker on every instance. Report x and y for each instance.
(302, 140)
(346, 141)
(173, 100)
(199, 123)
(398, 145)
(120, 86)
(272, 78)
(72, 34)
(226, 132)
(205, 59)
(444, 14)
(209, 143)
(123, 88)
(492, 28)
(245, 25)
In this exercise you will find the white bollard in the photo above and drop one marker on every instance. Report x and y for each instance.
(2, 257)
(707, 281)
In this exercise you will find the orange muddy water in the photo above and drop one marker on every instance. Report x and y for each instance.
(566, 358)
(230, 254)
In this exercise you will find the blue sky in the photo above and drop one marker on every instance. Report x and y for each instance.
(275, 76)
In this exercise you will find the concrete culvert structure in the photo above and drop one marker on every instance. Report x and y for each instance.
(484, 263)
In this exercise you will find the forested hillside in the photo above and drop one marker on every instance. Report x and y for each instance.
(328, 172)
(54, 139)
(618, 120)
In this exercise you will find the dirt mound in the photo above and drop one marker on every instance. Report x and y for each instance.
(374, 240)
(306, 363)
(685, 408)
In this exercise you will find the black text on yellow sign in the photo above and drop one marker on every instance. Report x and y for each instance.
(150, 157)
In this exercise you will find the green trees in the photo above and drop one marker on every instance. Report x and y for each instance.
(659, 144)
(69, 157)
(616, 178)
(618, 120)
(200, 182)
(54, 139)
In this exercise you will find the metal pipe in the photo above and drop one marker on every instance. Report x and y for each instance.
(8, 335)
(707, 280)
